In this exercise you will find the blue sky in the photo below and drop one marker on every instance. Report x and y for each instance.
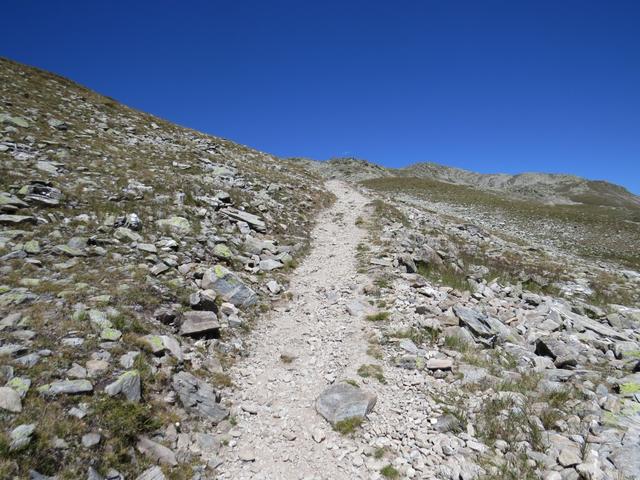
(492, 86)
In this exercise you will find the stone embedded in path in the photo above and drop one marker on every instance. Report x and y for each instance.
(343, 401)
(355, 308)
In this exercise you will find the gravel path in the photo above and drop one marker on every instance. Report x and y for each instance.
(279, 435)
(277, 423)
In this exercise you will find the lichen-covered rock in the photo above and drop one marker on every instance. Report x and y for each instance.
(10, 400)
(229, 286)
(21, 436)
(178, 225)
(128, 384)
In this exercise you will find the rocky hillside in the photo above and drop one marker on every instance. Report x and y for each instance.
(133, 254)
(523, 371)
(177, 306)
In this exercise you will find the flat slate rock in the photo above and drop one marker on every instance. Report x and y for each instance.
(253, 220)
(481, 325)
(200, 323)
(343, 401)
(66, 387)
(229, 286)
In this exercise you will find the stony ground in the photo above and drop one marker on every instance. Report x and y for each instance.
(173, 305)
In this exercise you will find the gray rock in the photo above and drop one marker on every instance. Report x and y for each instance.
(198, 396)
(569, 457)
(439, 364)
(585, 323)
(408, 346)
(66, 387)
(203, 300)
(128, 384)
(562, 356)
(253, 220)
(355, 308)
(21, 436)
(269, 264)
(156, 451)
(90, 440)
(479, 324)
(14, 121)
(10, 400)
(274, 287)
(229, 286)
(17, 219)
(406, 260)
(254, 246)
(147, 247)
(159, 344)
(198, 323)
(20, 385)
(10, 203)
(179, 225)
(343, 401)
(42, 193)
(128, 235)
(153, 473)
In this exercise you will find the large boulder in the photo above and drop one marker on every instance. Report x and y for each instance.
(229, 286)
(343, 401)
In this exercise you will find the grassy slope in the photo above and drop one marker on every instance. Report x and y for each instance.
(610, 233)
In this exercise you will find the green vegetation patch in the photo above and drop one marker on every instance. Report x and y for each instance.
(348, 425)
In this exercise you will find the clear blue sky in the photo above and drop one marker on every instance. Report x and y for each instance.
(492, 86)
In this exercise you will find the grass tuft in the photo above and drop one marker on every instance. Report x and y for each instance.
(348, 425)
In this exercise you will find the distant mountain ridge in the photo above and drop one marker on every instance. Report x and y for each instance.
(543, 187)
